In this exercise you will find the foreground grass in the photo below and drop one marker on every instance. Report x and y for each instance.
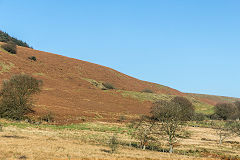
(88, 140)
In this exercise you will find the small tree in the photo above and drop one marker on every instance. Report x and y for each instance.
(16, 96)
(144, 131)
(113, 143)
(172, 116)
(223, 130)
(235, 127)
(226, 111)
(10, 47)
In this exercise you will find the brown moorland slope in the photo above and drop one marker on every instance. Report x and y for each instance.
(72, 88)
(213, 99)
(69, 85)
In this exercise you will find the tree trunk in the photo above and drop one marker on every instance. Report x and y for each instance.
(220, 139)
(171, 148)
(144, 147)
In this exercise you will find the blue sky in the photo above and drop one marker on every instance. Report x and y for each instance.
(189, 45)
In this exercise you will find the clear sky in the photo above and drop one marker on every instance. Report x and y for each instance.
(189, 45)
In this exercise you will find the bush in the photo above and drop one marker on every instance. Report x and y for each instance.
(199, 117)
(32, 58)
(48, 117)
(113, 143)
(226, 111)
(147, 91)
(10, 47)
(108, 85)
(16, 96)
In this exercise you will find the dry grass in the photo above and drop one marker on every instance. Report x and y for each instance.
(30, 142)
(5, 67)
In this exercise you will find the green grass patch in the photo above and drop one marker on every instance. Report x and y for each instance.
(143, 96)
(204, 108)
(82, 126)
(5, 67)
(95, 83)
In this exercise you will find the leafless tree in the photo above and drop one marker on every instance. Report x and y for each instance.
(144, 131)
(171, 116)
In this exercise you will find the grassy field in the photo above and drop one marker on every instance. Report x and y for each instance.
(21, 140)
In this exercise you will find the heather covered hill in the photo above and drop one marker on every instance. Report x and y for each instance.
(74, 89)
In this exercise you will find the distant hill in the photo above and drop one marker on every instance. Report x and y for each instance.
(213, 99)
(5, 37)
(74, 90)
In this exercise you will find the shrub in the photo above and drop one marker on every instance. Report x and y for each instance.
(10, 47)
(113, 143)
(32, 58)
(226, 111)
(48, 117)
(199, 117)
(147, 90)
(108, 85)
(16, 96)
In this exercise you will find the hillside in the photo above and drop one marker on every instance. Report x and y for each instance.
(73, 92)
(5, 37)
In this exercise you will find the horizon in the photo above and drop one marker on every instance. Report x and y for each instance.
(189, 46)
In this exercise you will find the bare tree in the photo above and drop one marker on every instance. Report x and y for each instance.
(172, 115)
(223, 130)
(144, 130)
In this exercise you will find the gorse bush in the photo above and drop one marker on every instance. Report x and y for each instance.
(10, 47)
(16, 96)
(108, 85)
(4, 37)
